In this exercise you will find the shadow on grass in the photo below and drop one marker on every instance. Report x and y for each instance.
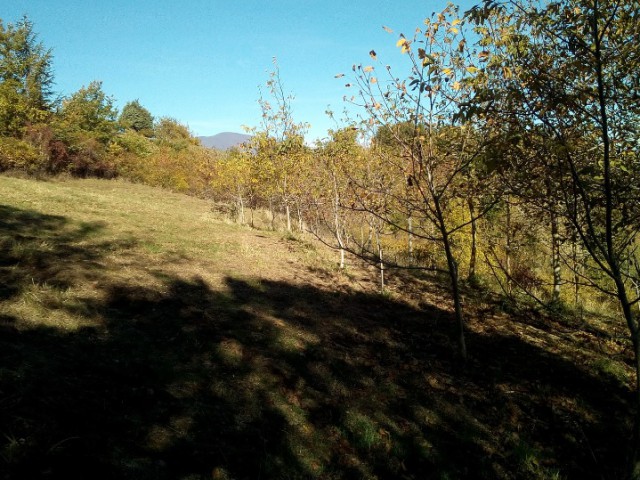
(265, 379)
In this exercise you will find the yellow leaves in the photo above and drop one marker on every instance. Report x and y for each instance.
(457, 21)
(404, 44)
(448, 71)
(456, 85)
(373, 80)
(471, 69)
(454, 30)
(387, 29)
(426, 59)
(368, 68)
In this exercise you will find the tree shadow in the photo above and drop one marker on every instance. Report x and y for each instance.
(37, 248)
(264, 379)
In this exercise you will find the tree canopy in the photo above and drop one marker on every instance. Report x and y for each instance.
(135, 117)
(26, 77)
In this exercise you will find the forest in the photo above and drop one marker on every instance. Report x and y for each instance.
(503, 160)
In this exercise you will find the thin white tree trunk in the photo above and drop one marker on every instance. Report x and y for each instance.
(381, 261)
(241, 209)
(410, 239)
(287, 210)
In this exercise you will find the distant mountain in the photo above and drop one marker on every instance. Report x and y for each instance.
(224, 141)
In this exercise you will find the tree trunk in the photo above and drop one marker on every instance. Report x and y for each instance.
(381, 261)
(474, 239)
(575, 266)
(240, 209)
(455, 292)
(410, 239)
(452, 267)
(287, 211)
(336, 218)
(273, 214)
(555, 257)
(507, 260)
(300, 222)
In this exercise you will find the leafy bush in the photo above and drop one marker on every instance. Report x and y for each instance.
(16, 154)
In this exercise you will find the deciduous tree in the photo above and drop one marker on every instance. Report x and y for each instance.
(571, 68)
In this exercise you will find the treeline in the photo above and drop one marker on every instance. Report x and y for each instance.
(505, 155)
(83, 134)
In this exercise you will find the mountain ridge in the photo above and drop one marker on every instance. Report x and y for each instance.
(224, 140)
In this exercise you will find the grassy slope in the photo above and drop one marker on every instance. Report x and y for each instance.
(141, 337)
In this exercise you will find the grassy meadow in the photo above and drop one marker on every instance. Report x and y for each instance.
(142, 336)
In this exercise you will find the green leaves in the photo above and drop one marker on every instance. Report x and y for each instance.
(92, 111)
(26, 78)
(136, 117)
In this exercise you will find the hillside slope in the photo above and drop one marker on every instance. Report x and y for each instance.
(143, 337)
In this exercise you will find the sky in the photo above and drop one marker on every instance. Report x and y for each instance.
(202, 61)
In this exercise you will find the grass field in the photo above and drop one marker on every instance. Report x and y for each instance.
(142, 337)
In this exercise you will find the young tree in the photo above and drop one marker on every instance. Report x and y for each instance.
(26, 78)
(426, 178)
(335, 159)
(233, 180)
(571, 68)
(279, 149)
(91, 112)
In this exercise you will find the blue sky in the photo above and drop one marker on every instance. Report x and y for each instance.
(202, 61)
